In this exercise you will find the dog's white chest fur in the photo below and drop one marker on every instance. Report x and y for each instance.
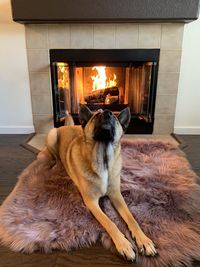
(108, 153)
(104, 182)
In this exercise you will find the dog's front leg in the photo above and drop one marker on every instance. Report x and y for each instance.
(123, 246)
(145, 245)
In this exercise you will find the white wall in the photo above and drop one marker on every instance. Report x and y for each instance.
(15, 101)
(187, 119)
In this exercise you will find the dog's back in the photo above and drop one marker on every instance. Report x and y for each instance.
(65, 133)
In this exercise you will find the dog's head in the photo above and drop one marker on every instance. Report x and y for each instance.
(104, 126)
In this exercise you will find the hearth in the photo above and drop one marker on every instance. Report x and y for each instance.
(105, 79)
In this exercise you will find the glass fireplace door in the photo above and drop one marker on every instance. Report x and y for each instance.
(104, 85)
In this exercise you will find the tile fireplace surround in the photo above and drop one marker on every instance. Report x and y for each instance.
(165, 36)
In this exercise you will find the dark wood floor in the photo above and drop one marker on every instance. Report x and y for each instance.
(190, 144)
(13, 159)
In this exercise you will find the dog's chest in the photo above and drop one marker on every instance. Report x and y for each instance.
(106, 167)
(104, 182)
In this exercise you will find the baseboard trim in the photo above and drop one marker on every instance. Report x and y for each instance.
(17, 129)
(187, 130)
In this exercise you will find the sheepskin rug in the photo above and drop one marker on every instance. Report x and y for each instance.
(45, 210)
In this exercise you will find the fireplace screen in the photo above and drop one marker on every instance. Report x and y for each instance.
(105, 85)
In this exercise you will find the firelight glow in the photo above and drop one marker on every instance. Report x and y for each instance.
(100, 81)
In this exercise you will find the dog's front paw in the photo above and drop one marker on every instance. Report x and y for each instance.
(145, 245)
(125, 248)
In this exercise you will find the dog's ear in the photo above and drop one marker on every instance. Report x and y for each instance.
(84, 115)
(124, 118)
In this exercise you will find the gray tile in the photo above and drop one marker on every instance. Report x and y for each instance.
(127, 35)
(104, 36)
(38, 60)
(41, 104)
(149, 35)
(43, 123)
(59, 36)
(167, 83)
(165, 104)
(36, 36)
(172, 35)
(163, 124)
(40, 83)
(81, 36)
(169, 61)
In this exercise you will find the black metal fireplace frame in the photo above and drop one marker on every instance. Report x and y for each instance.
(76, 57)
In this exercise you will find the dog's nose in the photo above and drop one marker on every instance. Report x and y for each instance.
(107, 114)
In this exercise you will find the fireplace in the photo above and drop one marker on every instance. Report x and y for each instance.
(105, 79)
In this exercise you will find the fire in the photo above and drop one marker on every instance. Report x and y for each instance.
(100, 81)
(63, 80)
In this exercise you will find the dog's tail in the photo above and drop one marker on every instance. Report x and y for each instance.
(52, 143)
(68, 119)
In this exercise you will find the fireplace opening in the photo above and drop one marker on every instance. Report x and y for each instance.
(105, 79)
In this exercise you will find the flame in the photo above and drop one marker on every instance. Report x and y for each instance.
(63, 80)
(100, 81)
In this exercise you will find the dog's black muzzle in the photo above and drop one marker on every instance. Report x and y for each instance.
(104, 130)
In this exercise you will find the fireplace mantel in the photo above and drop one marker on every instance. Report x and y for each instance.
(64, 11)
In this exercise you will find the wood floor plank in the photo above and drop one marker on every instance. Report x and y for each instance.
(88, 257)
(12, 259)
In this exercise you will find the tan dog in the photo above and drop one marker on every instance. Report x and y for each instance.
(91, 155)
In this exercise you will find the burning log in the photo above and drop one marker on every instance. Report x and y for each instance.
(100, 96)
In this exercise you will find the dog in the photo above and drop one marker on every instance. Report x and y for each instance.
(91, 155)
